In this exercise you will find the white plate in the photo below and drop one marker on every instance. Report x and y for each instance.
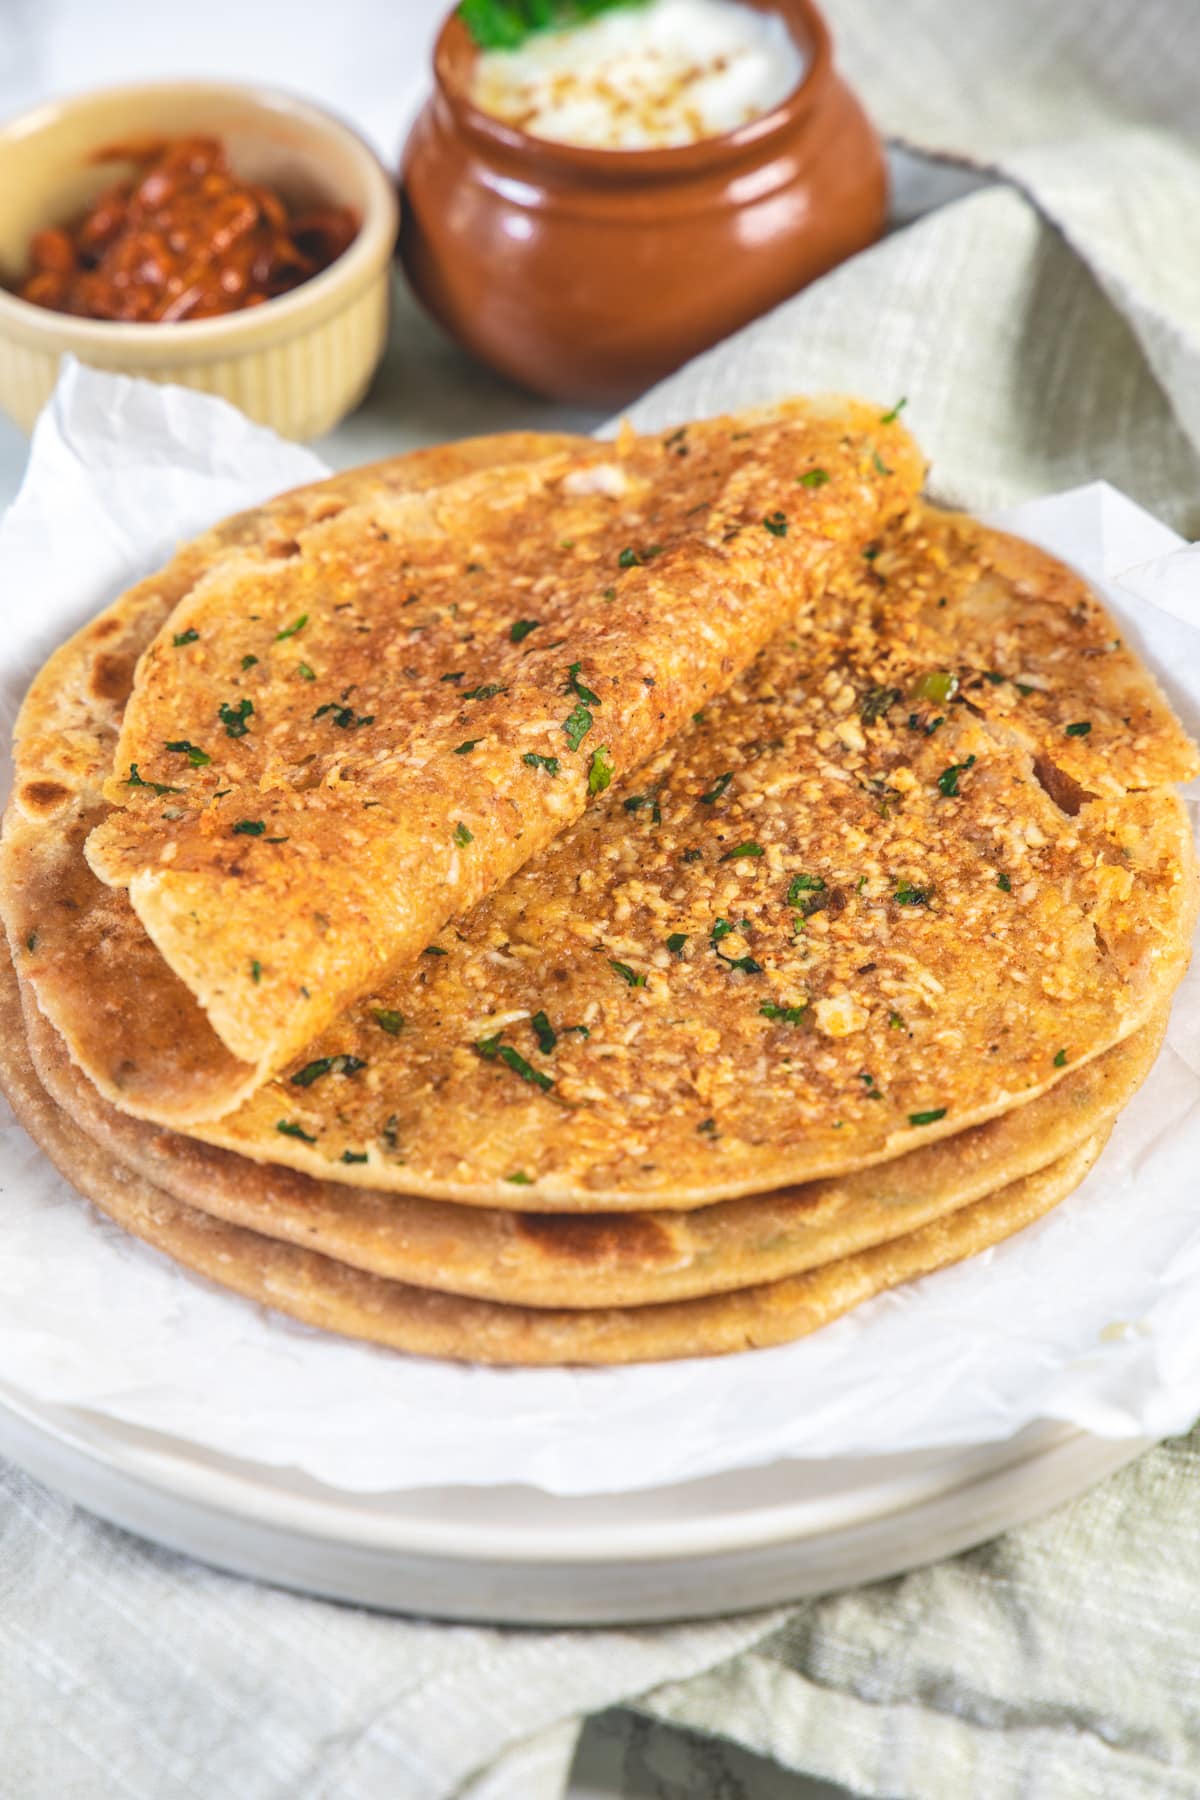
(518, 1556)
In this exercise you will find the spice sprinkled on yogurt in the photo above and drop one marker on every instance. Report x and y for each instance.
(643, 76)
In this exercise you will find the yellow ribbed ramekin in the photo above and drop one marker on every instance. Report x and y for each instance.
(298, 363)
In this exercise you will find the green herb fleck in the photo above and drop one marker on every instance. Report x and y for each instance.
(776, 523)
(895, 1022)
(256, 971)
(889, 418)
(1004, 883)
(462, 836)
(927, 1118)
(880, 464)
(947, 781)
(875, 703)
(1060, 1059)
(1080, 728)
(185, 637)
(492, 1048)
(291, 630)
(747, 849)
(304, 672)
(195, 755)
(521, 629)
(628, 975)
(389, 1021)
(289, 1128)
(249, 828)
(801, 885)
(600, 770)
(434, 950)
(156, 787)
(544, 1032)
(466, 747)
(233, 718)
(534, 761)
(31, 942)
(576, 726)
(908, 895)
(327, 1065)
(676, 942)
(344, 716)
(717, 789)
(813, 478)
(248, 662)
(354, 1156)
(938, 685)
(519, 1178)
(576, 687)
(786, 1015)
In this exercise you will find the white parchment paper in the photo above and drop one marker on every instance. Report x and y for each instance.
(1091, 1316)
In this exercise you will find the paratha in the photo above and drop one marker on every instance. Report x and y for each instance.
(98, 975)
(923, 862)
(601, 1259)
(327, 1294)
(329, 752)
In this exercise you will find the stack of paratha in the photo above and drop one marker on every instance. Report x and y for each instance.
(547, 901)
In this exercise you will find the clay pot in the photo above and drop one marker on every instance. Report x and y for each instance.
(588, 274)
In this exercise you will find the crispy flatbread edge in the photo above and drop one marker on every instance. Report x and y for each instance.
(326, 1294)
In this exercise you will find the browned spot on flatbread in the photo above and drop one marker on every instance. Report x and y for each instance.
(105, 628)
(44, 797)
(632, 1238)
(112, 675)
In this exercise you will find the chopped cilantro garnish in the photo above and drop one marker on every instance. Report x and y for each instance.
(462, 836)
(927, 1118)
(787, 1015)
(707, 1128)
(304, 672)
(813, 478)
(521, 628)
(698, 718)
(344, 716)
(434, 950)
(519, 1178)
(627, 974)
(195, 755)
(389, 1021)
(895, 1022)
(908, 895)
(1004, 883)
(576, 687)
(31, 942)
(746, 964)
(233, 718)
(747, 849)
(354, 1156)
(776, 523)
(871, 552)
(156, 787)
(466, 747)
(1023, 688)
(890, 417)
(576, 725)
(291, 630)
(1080, 728)
(453, 675)
(1060, 1059)
(256, 971)
(487, 692)
(544, 1032)
(676, 942)
(600, 770)
(722, 928)
(492, 1048)
(248, 662)
(289, 1128)
(534, 761)
(249, 828)
(185, 637)
(628, 559)
(875, 703)
(691, 856)
(880, 464)
(992, 676)
(947, 781)
(717, 789)
(803, 884)
(327, 1065)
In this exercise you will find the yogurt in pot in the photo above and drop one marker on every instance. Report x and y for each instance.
(646, 75)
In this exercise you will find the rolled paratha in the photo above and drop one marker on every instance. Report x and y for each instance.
(330, 751)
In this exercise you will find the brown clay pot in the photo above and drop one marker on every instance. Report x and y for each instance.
(587, 274)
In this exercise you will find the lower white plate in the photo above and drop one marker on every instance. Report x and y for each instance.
(519, 1556)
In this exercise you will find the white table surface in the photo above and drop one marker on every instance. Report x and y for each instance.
(368, 60)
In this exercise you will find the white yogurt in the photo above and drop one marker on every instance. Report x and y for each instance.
(643, 76)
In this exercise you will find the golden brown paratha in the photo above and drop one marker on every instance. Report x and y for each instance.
(329, 752)
(602, 1259)
(329, 1295)
(99, 978)
(928, 939)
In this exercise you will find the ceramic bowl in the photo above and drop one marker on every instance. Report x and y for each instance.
(298, 363)
(587, 274)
